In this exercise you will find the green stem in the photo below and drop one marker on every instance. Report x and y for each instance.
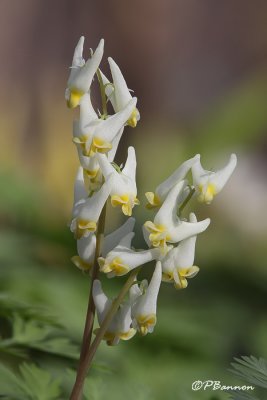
(89, 322)
(105, 324)
(186, 200)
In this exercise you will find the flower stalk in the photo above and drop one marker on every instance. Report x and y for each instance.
(170, 239)
(89, 322)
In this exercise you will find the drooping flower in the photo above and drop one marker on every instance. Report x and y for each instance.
(86, 252)
(209, 183)
(123, 192)
(118, 92)
(167, 226)
(92, 173)
(123, 258)
(86, 245)
(144, 308)
(113, 239)
(120, 326)
(82, 73)
(177, 265)
(88, 211)
(157, 198)
(97, 136)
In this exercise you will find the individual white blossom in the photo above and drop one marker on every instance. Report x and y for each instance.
(178, 264)
(113, 239)
(82, 73)
(123, 258)
(209, 183)
(86, 245)
(88, 211)
(167, 226)
(86, 252)
(144, 308)
(97, 136)
(157, 198)
(124, 191)
(118, 92)
(120, 326)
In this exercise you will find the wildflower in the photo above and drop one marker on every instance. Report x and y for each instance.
(86, 252)
(97, 136)
(167, 226)
(86, 245)
(157, 198)
(124, 191)
(209, 183)
(118, 92)
(113, 239)
(177, 265)
(123, 259)
(88, 211)
(144, 308)
(82, 73)
(80, 193)
(120, 326)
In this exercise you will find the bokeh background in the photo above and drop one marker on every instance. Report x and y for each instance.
(199, 70)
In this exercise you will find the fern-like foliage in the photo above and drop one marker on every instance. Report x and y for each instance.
(254, 372)
(24, 328)
(32, 383)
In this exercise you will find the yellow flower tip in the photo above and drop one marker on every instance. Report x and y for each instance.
(167, 277)
(82, 141)
(206, 193)
(153, 200)
(183, 274)
(79, 263)
(109, 337)
(158, 234)
(116, 266)
(74, 98)
(91, 174)
(83, 227)
(125, 202)
(99, 145)
(132, 121)
(127, 335)
(182, 284)
(146, 323)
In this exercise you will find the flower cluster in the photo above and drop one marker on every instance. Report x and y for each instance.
(170, 238)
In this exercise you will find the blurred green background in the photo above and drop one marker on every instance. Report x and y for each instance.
(199, 70)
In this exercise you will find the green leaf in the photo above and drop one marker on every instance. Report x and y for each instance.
(252, 370)
(33, 383)
(38, 384)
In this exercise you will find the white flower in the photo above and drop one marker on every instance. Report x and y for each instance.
(123, 259)
(177, 265)
(86, 245)
(88, 211)
(114, 238)
(144, 308)
(86, 252)
(97, 136)
(123, 192)
(120, 326)
(92, 174)
(209, 183)
(118, 92)
(80, 192)
(167, 226)
(157, 198)
(82, 73)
